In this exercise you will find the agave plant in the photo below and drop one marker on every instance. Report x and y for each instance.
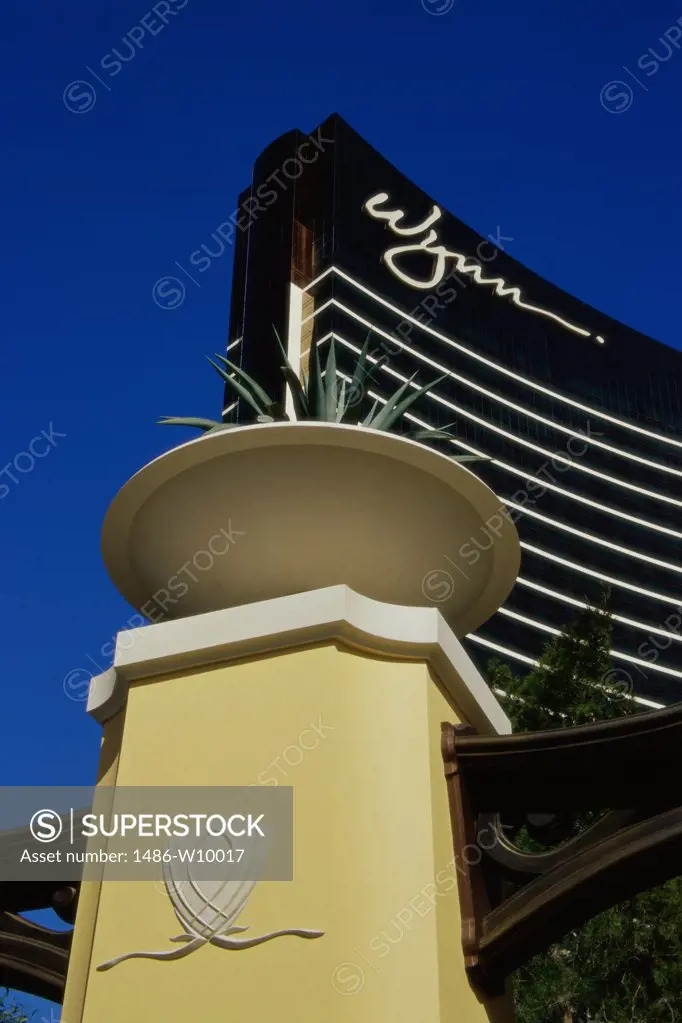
(322, 396)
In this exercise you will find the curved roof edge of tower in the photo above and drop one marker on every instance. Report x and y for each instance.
(303, 212)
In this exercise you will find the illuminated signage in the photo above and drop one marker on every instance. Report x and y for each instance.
(464, 264)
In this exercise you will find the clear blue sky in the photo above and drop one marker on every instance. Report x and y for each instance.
(492, 107)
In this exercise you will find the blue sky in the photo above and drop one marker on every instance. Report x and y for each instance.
(505, 113)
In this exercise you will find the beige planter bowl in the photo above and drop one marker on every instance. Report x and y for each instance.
(303, 506)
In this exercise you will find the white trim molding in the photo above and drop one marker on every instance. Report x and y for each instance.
(332, 614)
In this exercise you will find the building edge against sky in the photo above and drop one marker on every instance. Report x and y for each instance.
(581, 415)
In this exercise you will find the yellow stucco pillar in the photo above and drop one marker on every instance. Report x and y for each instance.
(341, 698)
(314, 579)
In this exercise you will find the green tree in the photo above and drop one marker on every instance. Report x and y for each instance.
(624, 966)
(9, 1012)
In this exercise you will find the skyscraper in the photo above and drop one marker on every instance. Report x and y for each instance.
(580, 416)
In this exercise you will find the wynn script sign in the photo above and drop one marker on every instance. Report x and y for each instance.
(429, 244)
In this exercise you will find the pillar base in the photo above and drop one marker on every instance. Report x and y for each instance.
(341, 697)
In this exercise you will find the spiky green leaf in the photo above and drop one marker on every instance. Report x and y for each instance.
(330, 386)
(296, 388)
(400, 408)
(471, 458)
(360, 372)
(256, 388)
(316, 398)
(377, 423)
(297, 392)
(282, 349)
(370, 415)
(200, 424)
(435, 434)
(341, 405)
(240, 389)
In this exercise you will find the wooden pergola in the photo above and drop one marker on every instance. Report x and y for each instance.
(33, 958)
(516, 903)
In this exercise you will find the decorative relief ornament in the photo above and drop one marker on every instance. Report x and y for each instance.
(207, 913)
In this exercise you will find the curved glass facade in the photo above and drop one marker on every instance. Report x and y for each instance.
(580, 416)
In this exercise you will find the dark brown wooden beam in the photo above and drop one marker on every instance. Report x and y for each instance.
(608, 872)
(515, 903)
(617, 764)
(33, 959)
